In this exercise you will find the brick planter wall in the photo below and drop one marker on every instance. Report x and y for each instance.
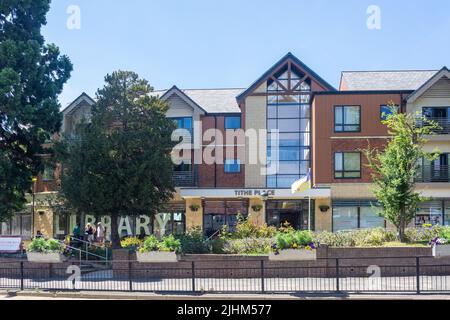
(352, 262)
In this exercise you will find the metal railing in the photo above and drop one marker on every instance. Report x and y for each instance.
(337, 275)
(444, 124)
(433, 174)
(86, 254)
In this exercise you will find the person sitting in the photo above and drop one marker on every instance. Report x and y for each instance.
(39, 234)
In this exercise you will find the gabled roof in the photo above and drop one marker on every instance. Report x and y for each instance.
(384, 80)
(82, 97)
(444, 72)
(175, 91)
(277, 65)
(210, 100)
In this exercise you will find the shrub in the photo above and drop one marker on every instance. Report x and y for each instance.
(170, 243)
(288, 239)
(45, 246)
(151, 243)
(194, 242)
(247, 229)
(445, 233)
(422, 235)
(247, 246)
(357, 238)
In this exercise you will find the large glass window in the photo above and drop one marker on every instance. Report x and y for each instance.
(18, 225)
(347, 165)
(345, 218)
(347, 118)
(348, 215)
(218, 214)
(232, 122)
(289, 113)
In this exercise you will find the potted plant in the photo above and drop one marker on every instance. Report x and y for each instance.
(153, 250)
(440, 244)
(293, 246)
(257, 207)
(324, 208)
(41, 250)
(194, 207)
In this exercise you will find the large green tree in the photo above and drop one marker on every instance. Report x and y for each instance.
(120, 162)
(395, 168)
(32, 75)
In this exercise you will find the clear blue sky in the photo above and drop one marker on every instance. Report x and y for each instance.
(230, 43)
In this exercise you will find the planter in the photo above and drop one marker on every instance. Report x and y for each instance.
(156, 256)
(293, 255)
(40, 257)
(441, 251)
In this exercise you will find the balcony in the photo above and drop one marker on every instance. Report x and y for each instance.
(443, 122)
(184, 179)
(434, 174)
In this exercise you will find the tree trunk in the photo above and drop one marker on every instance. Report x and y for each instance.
(401, 228)
(115, 240)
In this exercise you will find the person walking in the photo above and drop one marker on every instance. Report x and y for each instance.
(100, 233)
(90, 233)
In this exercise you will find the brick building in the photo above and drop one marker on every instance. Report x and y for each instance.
(300, 122)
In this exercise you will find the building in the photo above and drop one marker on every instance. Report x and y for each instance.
(317, 127)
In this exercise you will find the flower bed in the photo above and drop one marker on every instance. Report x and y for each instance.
(154, 250)
(293, 245)
(41, 250)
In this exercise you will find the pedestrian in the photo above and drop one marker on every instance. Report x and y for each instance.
(100, 233)
(39, 234)
(90, 233)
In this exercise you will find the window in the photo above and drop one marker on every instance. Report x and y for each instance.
(183, 167)
(232, 166)
(184, 123)
(362, 214)
(386, 111)
(347, 165)
(289, 113)
(232, 122)
(347, 118)
(47, 175)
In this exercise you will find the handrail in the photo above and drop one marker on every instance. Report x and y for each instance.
(86, 252)
(213, 235)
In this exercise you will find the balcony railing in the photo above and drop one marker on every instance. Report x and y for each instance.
(444, 124)
(433, 174)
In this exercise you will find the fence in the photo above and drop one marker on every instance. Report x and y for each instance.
(340, 275)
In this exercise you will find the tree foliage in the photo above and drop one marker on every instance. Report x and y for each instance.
(32, 74)
(120, 163)
(395, 168)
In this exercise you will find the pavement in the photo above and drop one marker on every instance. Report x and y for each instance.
(92, 295)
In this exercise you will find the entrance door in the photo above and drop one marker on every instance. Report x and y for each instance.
(293, 218)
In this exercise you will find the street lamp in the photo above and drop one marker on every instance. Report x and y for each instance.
(34, 179)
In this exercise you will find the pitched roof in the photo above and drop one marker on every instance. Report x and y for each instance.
(384, 80)
(82, 97)
(282, 61)
(443, 73)
(211, 100)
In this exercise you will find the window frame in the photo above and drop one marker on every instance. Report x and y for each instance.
(343, 171)
(386, 105)
(235, 162)
(232, 116)
(343, 125)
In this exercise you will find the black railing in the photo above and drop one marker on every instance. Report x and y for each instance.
(444, 124)
(183, 178)
(340, 275)
(433, 174)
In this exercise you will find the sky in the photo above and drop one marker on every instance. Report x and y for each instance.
(230, 43)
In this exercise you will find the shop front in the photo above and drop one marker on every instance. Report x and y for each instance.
(295, 213)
